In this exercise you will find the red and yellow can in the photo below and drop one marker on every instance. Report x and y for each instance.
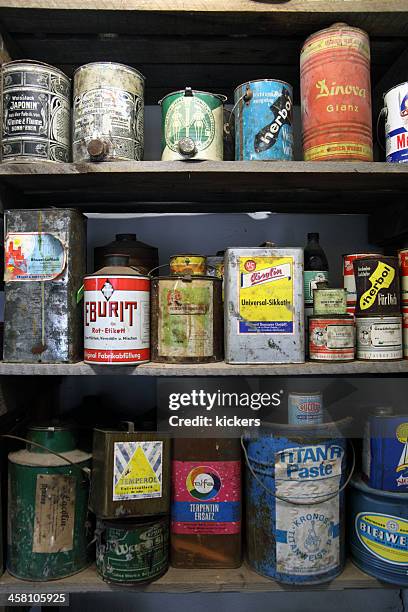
(336, 95)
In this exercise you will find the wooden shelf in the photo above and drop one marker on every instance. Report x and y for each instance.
(353, 368)
(337, 187)
(191, 581)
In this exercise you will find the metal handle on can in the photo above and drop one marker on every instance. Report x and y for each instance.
(383, 111)
(246, 97)
(298, 502)
(186, 277)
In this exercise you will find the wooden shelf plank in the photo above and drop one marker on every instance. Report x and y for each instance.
(183, 581)
(345, 187)
(353, 368)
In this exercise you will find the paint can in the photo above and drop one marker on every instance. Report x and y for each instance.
(187, 319)
(349, 278)
(305, 408)
(336, 95)
(130, 473)
(116, 314)
(396, 123)
(263, 120)
(295, 502)
(195, 265)
(378, 526)
(132, 551)
(45, 262)
(192, 125)
(385, 451)
(405, 330)
(327, 301)
(379, 338)
(264, 316)
(332, 338)
(49, 534)
(377, 286)
(403, 266)
(36, 113)
(108, 113)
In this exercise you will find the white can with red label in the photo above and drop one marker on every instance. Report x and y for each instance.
(116, 319)
(331, 338)
(349, 278)
(403, 264)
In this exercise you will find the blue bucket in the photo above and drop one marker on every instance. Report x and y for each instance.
(378, 532)
(295, 480)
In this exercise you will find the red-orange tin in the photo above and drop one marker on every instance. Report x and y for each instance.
(336, 95)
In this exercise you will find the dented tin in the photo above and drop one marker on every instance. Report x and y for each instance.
(336, 95)
(331, 338)
(379, 338)
(35, 112)
(263, 120)
(108, 113)
(377, 286)
(264, 316)
(195, 265)
(396, 123)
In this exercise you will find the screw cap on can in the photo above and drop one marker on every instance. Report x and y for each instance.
(187, 147)
(97, 149)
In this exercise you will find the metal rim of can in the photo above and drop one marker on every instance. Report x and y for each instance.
(35, 63)
(187, 278)
(395, 87)
(125, 67)
(385, 318)
(338, 25)
(332, 317)
(138, 276)
(305, 393)
(194, 91)
(359, 484)
(262, 81)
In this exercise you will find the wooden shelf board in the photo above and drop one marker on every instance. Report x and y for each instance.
(346, 187)
(189, 581)
(353, 368)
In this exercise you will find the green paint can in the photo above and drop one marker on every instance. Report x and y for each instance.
(49, 534)
(132, 551)
(192, 125)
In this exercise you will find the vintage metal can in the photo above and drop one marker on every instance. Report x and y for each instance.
(328, 301)
(385, 451)
(192, 125)
(142, 256)
(49, 535)
(116, 314)
(187, 319)
(264, 316)
(305, 408)
(215, 265)
(378, 526)
(379, 338)
(377, 286)
(403, 265)
(35, 112)
(130, 473)
(108, 113)
(396, 123)
(188, 264)
(263, 120)
(132, 551)
(405, 330)
(349, 278)
(332, 338)
(336, 95)
(45, 261)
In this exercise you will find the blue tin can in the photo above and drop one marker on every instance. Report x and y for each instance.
(295, 503)
(263, 121)
(378, 532)
(305, 408)
(385, 452)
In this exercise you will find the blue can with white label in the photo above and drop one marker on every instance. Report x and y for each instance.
(263, 121)
(295, 502)
(378, 532)
(305, 408)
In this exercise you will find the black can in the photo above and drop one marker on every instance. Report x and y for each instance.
(378, 286)
(35, 112)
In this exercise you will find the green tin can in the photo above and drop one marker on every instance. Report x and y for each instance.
(192, 125)
(49, 535)
(132, 551)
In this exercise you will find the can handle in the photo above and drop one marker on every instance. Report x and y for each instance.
(301, 503)
(186, 277)
(382, 112)
(246, 97)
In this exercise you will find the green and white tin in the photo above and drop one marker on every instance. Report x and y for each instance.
(192, 125)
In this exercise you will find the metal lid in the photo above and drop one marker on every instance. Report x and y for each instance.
(19, 62)
(194, 91)
(114, 65)
(60, 439)
(246, 83)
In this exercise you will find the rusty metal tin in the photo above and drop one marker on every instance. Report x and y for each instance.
(186, 319)
(377, 286)
(45, 259)
(336, 95)
(328, 301)
(195, 265)
(331, 338)
(108, 113)
(379, 338)
(130, 473)
(35, 112)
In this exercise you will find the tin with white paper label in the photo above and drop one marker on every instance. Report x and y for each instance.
(379, 338)
(327, 301)
(331, 338)
(396, 124)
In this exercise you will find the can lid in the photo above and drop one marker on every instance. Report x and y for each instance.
(193, 92)
(19, 62)
(56, 438)
(248, 83)
(113, 64)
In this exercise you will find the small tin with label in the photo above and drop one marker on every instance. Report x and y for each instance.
(132, 551)
(130, 473)
(327, 301)
(331, 338)
(195, 265)
(378, 286)
(305, 408)
(379, 338)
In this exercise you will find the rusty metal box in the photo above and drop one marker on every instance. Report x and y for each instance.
(45, 261)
